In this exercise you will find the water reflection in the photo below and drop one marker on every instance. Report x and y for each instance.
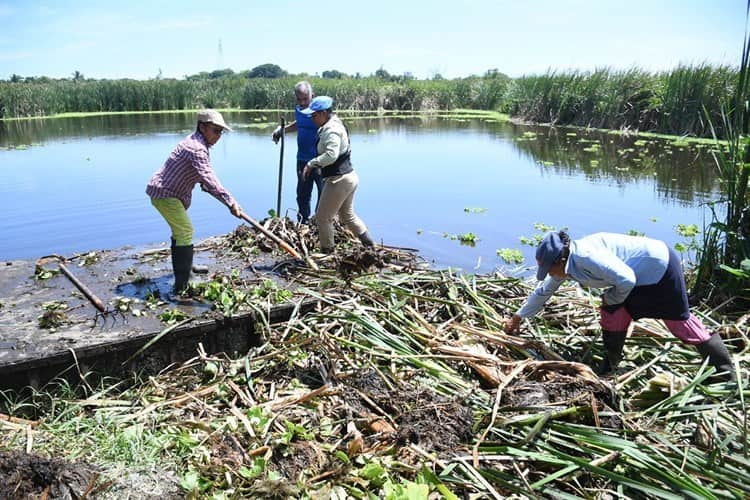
(682, 173)
(75, 184)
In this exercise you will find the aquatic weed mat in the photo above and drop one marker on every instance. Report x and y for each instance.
(401, 382)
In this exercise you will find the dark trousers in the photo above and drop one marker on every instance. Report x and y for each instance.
(666, 299)
(304, 191)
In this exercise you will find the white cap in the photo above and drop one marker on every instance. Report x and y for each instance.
(213, 116)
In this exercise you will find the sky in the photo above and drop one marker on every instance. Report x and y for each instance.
(144, 39)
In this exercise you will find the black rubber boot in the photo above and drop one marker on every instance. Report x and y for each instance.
(366, 240)
(197, 268)
(182, 262)
(718, 357)
(613, 343)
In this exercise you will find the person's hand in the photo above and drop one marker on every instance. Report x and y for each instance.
(276, 134)
(306, 171)
(513, 324)
(236, 210)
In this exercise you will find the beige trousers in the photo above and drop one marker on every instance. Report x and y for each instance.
(337, 198)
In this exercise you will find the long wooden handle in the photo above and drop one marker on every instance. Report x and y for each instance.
(283, 244)
(96, 301)
(281, 169)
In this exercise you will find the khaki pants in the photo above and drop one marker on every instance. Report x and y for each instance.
(338, 199)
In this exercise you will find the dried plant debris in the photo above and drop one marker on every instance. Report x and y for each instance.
(402, 384)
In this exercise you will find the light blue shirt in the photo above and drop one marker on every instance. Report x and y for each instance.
(617, 262)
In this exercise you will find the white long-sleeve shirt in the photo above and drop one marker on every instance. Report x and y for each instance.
(617, 262)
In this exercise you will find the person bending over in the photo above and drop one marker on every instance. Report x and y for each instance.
(641, 278)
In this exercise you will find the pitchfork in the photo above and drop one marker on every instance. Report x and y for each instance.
(102, 311)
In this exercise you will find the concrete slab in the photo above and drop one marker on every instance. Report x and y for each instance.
(137, 283)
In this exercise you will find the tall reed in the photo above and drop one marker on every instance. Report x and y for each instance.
(724, 260)
(669, 102)
(44, 98)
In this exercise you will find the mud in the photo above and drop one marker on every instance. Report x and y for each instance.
(560, 392)
(359, 260)
(43, 315)
(300, 460)
(24, 476)
(422, 417)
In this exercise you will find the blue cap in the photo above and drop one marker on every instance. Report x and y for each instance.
(547, 253)
(319, 103)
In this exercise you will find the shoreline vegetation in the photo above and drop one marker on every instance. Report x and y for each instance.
(684, 101)
(400, 385)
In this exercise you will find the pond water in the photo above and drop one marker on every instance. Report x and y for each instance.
(77, 184)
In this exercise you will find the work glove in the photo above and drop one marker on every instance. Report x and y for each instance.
(276, 134)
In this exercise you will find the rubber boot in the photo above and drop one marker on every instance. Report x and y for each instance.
(613, 343)
(366, 239)
(197, 268)
(718, 357)
(182, 262)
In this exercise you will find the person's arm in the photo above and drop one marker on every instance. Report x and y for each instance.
(332, 143)
(332, 149)
(534, 303)
(276, 135)
(609, 268)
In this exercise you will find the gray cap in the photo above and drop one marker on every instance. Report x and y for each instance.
(213, 116)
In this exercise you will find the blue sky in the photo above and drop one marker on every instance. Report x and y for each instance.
(138, 39)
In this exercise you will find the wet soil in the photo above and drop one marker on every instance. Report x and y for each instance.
(300, 460)
(359, 260)
(561, 392)
(433, 422)
(24, 476)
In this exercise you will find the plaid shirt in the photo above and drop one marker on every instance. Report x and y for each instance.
(188, 165)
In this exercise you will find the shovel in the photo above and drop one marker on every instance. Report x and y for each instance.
(281, 243)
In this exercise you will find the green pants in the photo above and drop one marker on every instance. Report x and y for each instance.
(176, 216)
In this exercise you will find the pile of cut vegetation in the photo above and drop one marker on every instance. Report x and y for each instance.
(402, 384)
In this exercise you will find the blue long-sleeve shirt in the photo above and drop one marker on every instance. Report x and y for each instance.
(617, 262)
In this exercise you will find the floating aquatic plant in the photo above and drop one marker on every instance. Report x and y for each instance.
(510, 255)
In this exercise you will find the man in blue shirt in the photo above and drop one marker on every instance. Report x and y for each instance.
(307, 136)
(642, 278)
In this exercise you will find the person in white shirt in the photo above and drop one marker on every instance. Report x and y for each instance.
(641, 278)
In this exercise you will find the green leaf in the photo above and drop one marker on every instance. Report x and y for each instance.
(375, 473)
(193, 481)
(259, 465)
